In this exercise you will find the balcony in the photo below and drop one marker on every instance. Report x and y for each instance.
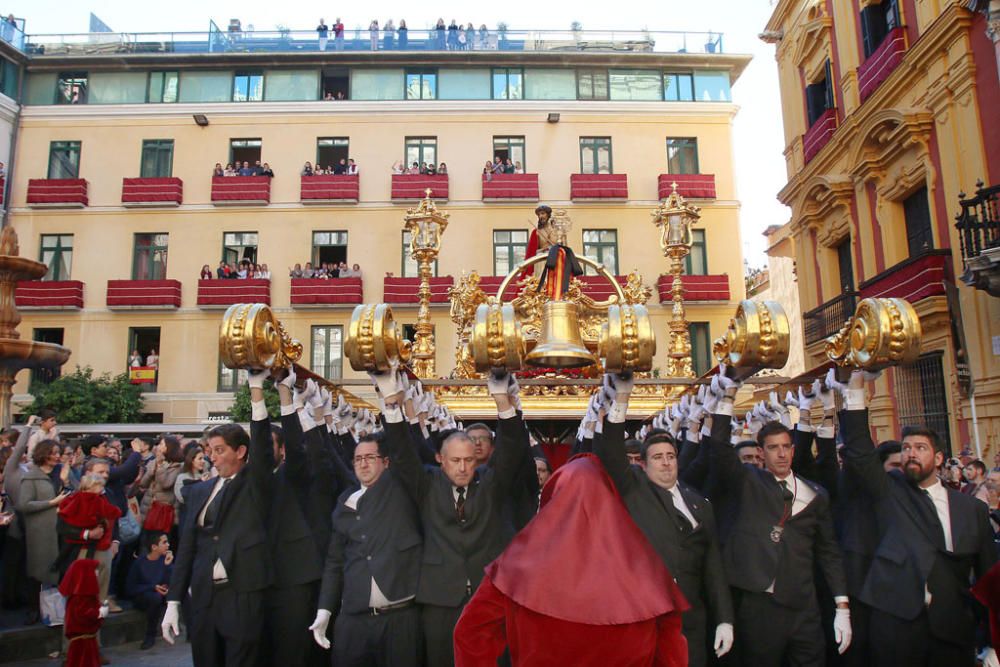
(490, 285)
(152, 192)
(57, 193)
(689, 186)
(979, 234)
(407, 187)
(49, 295)
(510, 187)
(406, 290)
(827, 319)
(144, 294)
(330, 189)
(598, 187)
(318, 293)
(882, 62)
(912, 279)
(241, 190)
(222, 293)
(696, 288)
(819, 135)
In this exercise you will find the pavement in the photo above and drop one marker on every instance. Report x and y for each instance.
(129, 655)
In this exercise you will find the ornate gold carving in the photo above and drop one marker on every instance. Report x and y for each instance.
(252, 337)
(882, 333)
(374, 339)
(758, 337)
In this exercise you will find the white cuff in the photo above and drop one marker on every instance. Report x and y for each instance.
(599, 426)
(837, 599)
(308, 423)
(706, 430)
(413, 420)
(507, 414)
(693, 436)
(736, 438)
(393, 414)
(724, 407)
(288, 409)
(826, 432)
(258, 411)
(855, 399)
(616, 414)
(804, 428)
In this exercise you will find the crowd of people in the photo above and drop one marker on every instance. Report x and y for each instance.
(345, 167)
(451, 37)
(501, 166)
(786, 537)
(325, 270)
(419, 169)
(245, 269)
(243, 169)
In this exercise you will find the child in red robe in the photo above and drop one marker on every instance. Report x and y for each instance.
(84, 613)
(580, 585)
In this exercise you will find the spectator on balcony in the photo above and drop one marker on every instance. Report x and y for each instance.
(352, 167)
(266, 171)
(373, 34)
(307, 170)
(356, 271)
(341, 95)
(206, 272)
(264, 273)
(414, 170)
(338, 35)
(431, 170)
(135, 359)
(343, 270)
(328, 97)
(254, 271)
(308, 271)
(295, 272)
(341, 167)
(218, 171)
(470, 36)
(453, 36)
(230, 170)
(508, 166)
(246, 270)
(498, 165)
(402, 35)
(439, 35)
(246, 169)
(518, 169)
(153, 360)
(442, 169)
(397, 167)
(223, 270)
(389, 35)
(322, 32)
(257, 168)
(488, 171)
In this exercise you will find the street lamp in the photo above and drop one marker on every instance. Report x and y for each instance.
(675, 217)
(426, 225)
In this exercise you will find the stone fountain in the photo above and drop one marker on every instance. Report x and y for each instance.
(17, 354)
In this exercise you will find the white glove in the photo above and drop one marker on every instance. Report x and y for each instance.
(622, 384)
(853, 392)
(641, 435)
(779, 410)
(315, 397)
(990, 657)
(514, 391)
(388, 382)
(723, 639)
(727, 384)
(709, 401)
(697, 410)
(805, 402)
(256, 378)
(289, 380)
(825, 393)
(658, 423)
(327, 401)
(170, 625)
(842, 629)
(103, 611)
(497, 385)
(318, 628)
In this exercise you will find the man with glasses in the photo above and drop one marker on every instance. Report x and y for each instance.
(372, 563)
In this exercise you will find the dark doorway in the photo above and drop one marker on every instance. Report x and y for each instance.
(336, 83)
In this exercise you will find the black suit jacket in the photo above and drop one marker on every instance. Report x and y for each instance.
(380, 538)
(239, 536)
(693, 557)
(752, 560)
(911, 552)
(455, 553)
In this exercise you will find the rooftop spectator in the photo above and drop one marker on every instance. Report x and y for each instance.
(373, 34)
(322, 32)
(338, 35)
(402, 35)
(439, 38)
(389, 35)
(453, 36)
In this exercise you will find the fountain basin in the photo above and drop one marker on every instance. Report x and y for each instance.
(21, 268)
(18, 354)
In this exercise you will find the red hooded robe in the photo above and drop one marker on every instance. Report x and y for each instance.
(87, 510)
(83, 620)
(580, 585)
(987, 591)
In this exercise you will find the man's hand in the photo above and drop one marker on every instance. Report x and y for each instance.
(136, 445)
(256, 378)
(842, 628)
(103, 611)
(170, 626)
(289, 379)
(114, 548)
(498, 386)
(169, 558)
(990, 658)
(318, 628)
(58, 499)
(388, 382)
(723, 639)
(95, 533)
(162, 589)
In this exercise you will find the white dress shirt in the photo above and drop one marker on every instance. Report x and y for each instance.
(939, 495)
(681, 506)
(802, 492)
(376, 598)
(218, 569)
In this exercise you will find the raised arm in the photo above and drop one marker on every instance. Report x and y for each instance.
(513, 443)
(860, 455)
(723, 460)
(403, 460)
(260, 463)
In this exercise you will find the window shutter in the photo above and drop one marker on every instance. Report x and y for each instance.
(829, 100)
(867, 38)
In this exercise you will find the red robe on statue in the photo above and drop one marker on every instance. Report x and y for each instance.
(83, 619)
(579, 585)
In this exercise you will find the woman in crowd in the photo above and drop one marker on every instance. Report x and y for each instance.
(218, 171)
(389, 35)
(206, 272)
(397, 167)
(484, 37)
(264, 273)
(230, 170)
(488, 171)
(467, 36)
(192, 470)
(38, 500)
(402, 35)
(453, 36)
(135, 359)
(373, 34)
(442, 169)
(439, 35)
(266, 170)
(307, 271)
(295, 272)
(307, 170)
(158, 483)
(508, 166)
(518, 169)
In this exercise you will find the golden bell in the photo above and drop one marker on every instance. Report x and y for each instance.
(560, 344)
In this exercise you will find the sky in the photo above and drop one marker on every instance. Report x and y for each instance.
(758, 135)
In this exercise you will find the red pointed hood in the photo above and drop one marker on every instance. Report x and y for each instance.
(80, 579)
(582, 559)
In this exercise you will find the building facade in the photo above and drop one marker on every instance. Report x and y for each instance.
(890, 117)
(113, 186)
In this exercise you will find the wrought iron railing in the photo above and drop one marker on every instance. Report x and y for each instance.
(828, 318)
(978, 223)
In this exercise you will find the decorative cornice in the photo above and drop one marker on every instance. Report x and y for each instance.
(884, 136)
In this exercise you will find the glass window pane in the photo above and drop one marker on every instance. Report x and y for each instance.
(64, 159)
(292, 85)
(117, 88)
(40, 88)
(499, 84)
(377, 84)
(171, 81)
(206, 86)
(157, 158)
(429, 86)
(635, 85)
(712, 86)
(549, 84)
(464, 84)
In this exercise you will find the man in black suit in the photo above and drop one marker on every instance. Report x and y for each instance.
(373, 561)
(461, 509)
(782, 528)
(677, 521)
(223, 556)
(932, 542)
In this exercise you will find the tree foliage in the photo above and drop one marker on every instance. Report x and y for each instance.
(240, 411)
(81, 398)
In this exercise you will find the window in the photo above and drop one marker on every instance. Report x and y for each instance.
(421, 84)
(331, 150)
(43, 375)
(231, 379)
(336, 83)
(877, 21)
(635, 84)
(157, 158)
(71, 88)
(291, 85)
(57, 254)
(377, 84)
(919, 235)
(144, 341)
(206, 86)
(921, 398)
(592, 84)
(678, 87)
(508, 83)
(329, 247)
(510, 147)
(248, 86)
(464, 84)
(328, 351)
(509, 247)
(819, 96)
(244, 150)
(549, 84)
(150, 258)
(595, 155)
(410, 267)
(701, 347)
(696, 262)
(162, 87)
(64, 159)
(239, 246)
(601, 245)
(682, 156)
(117, 88)
(712, 86)
(844, 265)
(421, 150)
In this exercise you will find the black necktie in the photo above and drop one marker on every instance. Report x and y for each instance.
(460, 505)
(935, 521)
(212, 511)
(682, 520)
(787, 496)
